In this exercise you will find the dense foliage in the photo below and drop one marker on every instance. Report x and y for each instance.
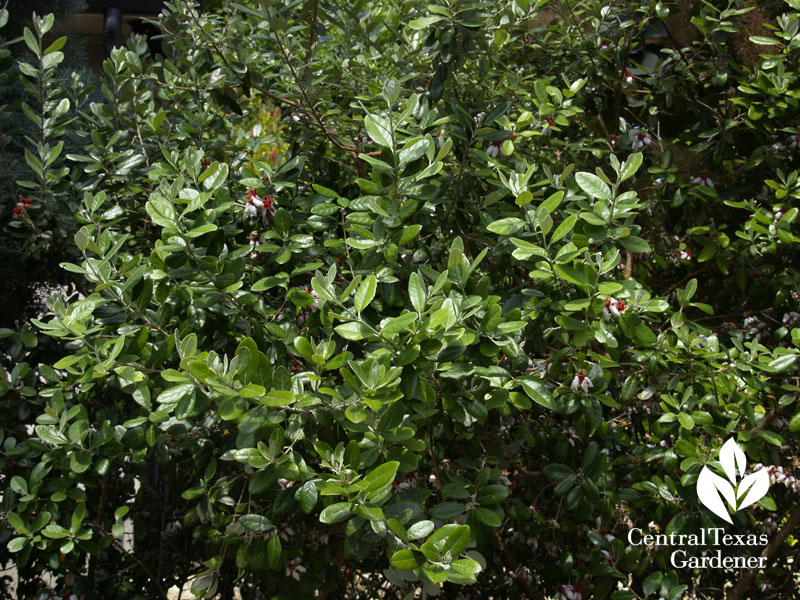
(371, 299)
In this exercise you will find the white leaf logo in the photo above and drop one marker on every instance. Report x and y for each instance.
(712, 489)
(730, 457)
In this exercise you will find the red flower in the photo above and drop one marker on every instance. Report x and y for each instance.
(206, 162)
(17, 212)
(26, 202)
(494, 148)
(581, 381)
(253, 203)
(613, 307)
(269, 204)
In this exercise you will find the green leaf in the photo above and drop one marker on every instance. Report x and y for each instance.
(563, 229)
(19, 485)
(794, 424)
(406, 560)
(307, 496)
(16, 521)
(161, 211)
(267, 283)
(201, 230)
(322, 288)
(707, 253)
(416, 293)
(691, 288)
(336, 513)
(450, 539)
(408, 234)
(174, 394)
(488, 517)
(380, 478)
(772, 437)
(323, 191)
(781, 363)
(558, 472)
(579, 304)
(466, 567)
(507, 226)
(414, 150)
(357, 413)
(630, 166)
(52, 60)
(652, 583)
(762, 40)
(497, 112)
(398, 529)
(217, 177)
(274, 550)
(16, 544)
(256, 523)
(55, 532)
(686, 421)
(572, 275)
(379, 130)
(553, 201)
(78, 515)
(425, 22)
(365, 293)
(193, 493)
(420, 529)
(279, 398)
(538, 392)
(447, 510)
(634, 244)
(31, 42)
(80, 461)
(60, 110)
(282, 221)
(353, 331)
(592, 185)
(398, 324)
(51, 435)
(492, 494)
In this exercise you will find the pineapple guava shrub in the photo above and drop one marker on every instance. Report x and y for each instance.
(470, 322)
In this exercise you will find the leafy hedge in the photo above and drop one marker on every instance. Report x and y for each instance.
(444, 298)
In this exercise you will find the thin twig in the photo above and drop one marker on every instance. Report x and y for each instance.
(346, 246)
(738, 591)
(129, 554)
(308, 104)
(5, 163)
(368, 39)
(101, 509)
(522, 581)
(311, 39)
(221, 54)
(435, 465)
